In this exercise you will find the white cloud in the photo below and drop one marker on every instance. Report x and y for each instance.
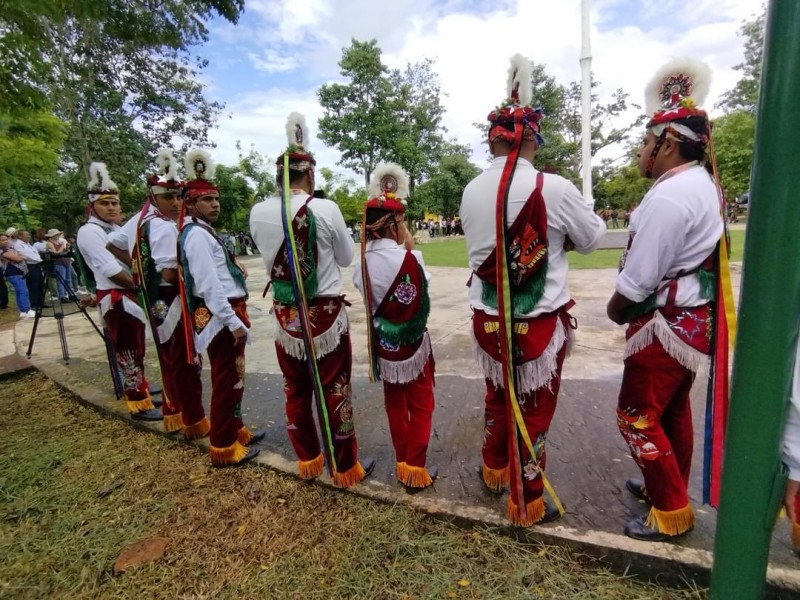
(471, 43)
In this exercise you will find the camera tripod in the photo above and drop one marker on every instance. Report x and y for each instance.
(51, 275)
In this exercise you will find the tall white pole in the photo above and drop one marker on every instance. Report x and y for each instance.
(586, 105)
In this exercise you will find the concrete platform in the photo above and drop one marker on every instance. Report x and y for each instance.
(588, 460)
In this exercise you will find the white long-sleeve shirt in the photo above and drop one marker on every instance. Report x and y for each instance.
(384, 259)
(32, 257)
(163, 240)
(212, 281)
(676, 227)
(567, 215)
(92, 239)
(791, 434)
(334, 244)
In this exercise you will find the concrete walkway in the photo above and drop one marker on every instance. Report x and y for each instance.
(588, 460)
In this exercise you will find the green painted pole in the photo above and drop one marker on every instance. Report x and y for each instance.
(22, 208)
(752, 479)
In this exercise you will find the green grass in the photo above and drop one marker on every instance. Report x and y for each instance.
(453, 253)
(247, 533)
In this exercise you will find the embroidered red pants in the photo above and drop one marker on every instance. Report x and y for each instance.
(409, 407)
(538, 408)
(226, 359)
(127, 337)
(182, 384)
(334, 370)
(654, 415)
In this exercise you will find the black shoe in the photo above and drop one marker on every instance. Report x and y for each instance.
(486, 486)
(155, 390)
(637, 530)
(157, 403)
(151, 414)
(258, 435)
(251, 454)
(551, 513)
(433, 472)
(636, 487)
(368, 464)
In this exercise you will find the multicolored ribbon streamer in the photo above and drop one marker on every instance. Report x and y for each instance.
(505, 312)
(305, 320)
(188, 321)
(373, 366)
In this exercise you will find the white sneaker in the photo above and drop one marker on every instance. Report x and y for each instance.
(23, 315)
(31, 313)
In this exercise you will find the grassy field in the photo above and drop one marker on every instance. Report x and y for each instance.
(453, 253)
(77, 487)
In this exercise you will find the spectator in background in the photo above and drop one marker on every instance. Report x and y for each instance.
(35, 278)
(615, 219)
(14, 268)
(58, 247)
(627, 218)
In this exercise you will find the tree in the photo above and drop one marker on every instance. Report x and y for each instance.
(235, 197)
(346, 193)
(619, 187)
(259, 169)
(441, 194)
(744, 95)
(734, 135)
(358, 117)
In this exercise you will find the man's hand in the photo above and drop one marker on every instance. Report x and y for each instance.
(405, 236)
(239, 336)
(568, 245)
(792, 489)
(616, 308)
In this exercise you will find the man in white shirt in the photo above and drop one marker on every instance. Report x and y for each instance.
(543, 216)
(397, 308)
(34, 280)
(215, 317)
(112, 283)
(323, 246)
(664, 293)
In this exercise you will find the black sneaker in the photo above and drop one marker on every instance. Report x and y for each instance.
(433, 472)
(150, 414)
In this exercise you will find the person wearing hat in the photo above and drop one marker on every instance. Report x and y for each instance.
(111, 282)
(149, 243)
(14, 269)
(58, 247)
(519, 223)
(34, 280)
(393, 281)
(664, 293)
(310, 312)
(214, 295)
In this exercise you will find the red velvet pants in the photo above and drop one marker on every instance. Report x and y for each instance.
(127, 336)
(538, 408)
(334, 369)
(654, 415)
(183, 389)
(409, 407)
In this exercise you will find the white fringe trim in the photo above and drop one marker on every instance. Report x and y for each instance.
(210, 331)
(532, 375)
(128, 305)
(674, 346)
(167, 327)
(324, 343)
(406, 371)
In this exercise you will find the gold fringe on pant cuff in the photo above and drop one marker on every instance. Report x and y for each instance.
(309, 469)
(228, 456)
(496, 479)
(135, 406)
(350, 477)
(671, 522)
(173, 422)
(198, 430)
(244, 437)
(796, 537)
(417, 477)
(402, 472)
(534, 512)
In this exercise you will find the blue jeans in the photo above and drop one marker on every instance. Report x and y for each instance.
(21, 291)
(63, 277)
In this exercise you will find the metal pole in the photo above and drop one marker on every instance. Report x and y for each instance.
(586, 104)
(752, 477)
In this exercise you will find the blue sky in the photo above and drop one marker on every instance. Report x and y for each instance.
(275, 59)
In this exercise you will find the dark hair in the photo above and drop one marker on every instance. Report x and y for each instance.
(295, 176)
(694, 150)
(374, 214)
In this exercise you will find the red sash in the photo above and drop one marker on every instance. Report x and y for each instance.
(692, 325)
(305, 236)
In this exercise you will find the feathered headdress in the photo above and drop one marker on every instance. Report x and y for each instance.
(200, 169)
(677, 91)
(166, 179)
(388, 182)
(298, 137)
(100, 183)
(516, 109)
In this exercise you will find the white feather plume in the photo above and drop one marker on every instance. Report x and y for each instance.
(698, 71)
(382, 170)
(166, 165)
(99, 179)
(202, 159)
(519, 73)
(296, 124)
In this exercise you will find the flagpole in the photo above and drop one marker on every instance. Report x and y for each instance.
(586, 104)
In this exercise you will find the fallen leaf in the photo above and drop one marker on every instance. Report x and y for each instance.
(140, 553)
(240, 530)
(281, 500)
(107, 491)
(464, 583)
(451, 594)
(420, 568)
